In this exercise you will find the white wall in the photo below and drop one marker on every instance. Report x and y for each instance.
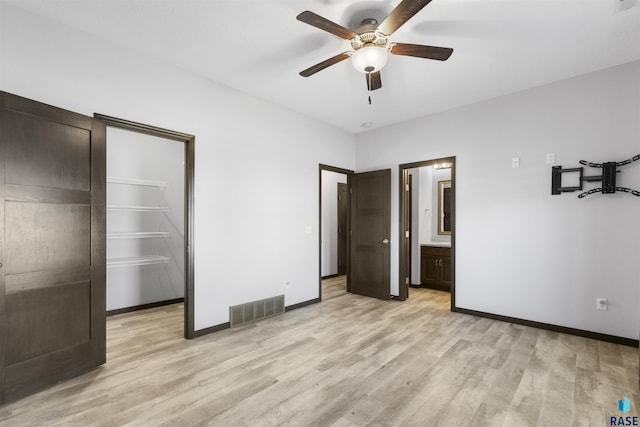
(256, 169)
(426, 210)
(330, 182)
(520, 251)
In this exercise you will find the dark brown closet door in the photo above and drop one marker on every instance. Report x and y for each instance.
(52, 245)
(370, 233)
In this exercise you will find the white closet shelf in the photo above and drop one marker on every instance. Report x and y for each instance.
(133, 262)
(139, 235)
(122, 208)
(134, 181)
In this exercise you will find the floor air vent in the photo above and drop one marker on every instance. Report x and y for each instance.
(243, 313)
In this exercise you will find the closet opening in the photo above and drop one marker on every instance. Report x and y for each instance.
(149, 218)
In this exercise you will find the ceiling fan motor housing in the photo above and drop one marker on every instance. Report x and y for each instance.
(370, 54)
(374, 38)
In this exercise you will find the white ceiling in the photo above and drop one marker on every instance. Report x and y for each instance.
(258, 47)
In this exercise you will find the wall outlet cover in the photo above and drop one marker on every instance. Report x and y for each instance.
(551, 158)
(601, 304)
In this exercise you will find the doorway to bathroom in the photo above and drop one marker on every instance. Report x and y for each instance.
(427, 226)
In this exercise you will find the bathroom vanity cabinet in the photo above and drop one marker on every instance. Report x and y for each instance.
(435, 267)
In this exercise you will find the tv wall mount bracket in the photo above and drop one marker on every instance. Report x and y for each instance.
(608, 178)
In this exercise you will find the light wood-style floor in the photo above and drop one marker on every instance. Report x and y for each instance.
(334, 287)
(348, 361)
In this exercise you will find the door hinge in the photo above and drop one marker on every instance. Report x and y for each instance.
(406, 234)
(406, 280)
(406, 187)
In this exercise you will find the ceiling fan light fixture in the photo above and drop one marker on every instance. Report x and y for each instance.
(369, 59)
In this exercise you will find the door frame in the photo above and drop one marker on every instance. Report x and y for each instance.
(323, 167)
(403, 216)
(189, 141)
(344, 186)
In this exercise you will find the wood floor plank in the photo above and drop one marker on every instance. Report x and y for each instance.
(347, 361)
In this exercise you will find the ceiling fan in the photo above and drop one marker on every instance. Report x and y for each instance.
(370, 42)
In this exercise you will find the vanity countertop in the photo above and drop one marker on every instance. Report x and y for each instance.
(438, 244)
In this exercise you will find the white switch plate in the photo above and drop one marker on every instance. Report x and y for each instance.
(515, 162)
(307, 229)
(551, 158)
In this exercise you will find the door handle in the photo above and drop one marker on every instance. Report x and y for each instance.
(386, 241)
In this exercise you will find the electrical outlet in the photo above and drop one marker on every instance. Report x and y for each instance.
(515, 162)
(601, 304)
(551, 158)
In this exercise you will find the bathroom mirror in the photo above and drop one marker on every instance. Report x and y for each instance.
(444, 207)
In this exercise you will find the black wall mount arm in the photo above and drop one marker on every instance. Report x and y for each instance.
(607, 177)
(556, 180)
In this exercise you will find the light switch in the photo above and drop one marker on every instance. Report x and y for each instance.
(515, 162)
(307, 229)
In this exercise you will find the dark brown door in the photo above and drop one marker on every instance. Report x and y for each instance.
(342, 228)
(370, 233)
(52, 245)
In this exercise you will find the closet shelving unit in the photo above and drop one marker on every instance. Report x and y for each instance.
(142, 259)
(135, 181)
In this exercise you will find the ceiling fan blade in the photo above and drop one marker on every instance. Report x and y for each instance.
(422, 51)
(373, 81)
(324, 64)
(400, 15)
(318, 21)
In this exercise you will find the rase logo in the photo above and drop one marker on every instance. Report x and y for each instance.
(624, 406)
